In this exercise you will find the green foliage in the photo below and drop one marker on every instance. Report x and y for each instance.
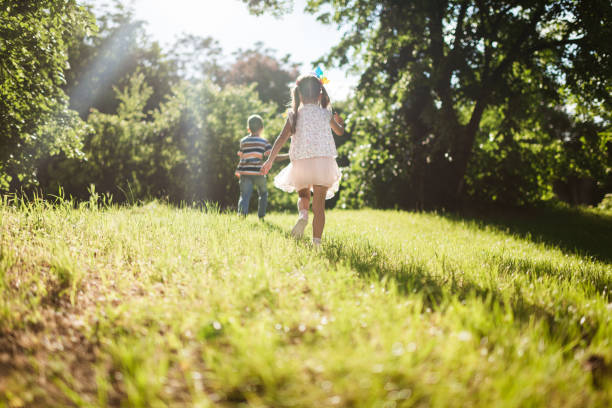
(606, 203)
(108, 58)
(374, 176)
(271, 75)
(457, 100)
(276, 7)
(200, 58)
(510, 166)
(34, 118)
(189, 307)
(147, 134)
(432, 69)
(208, 123)
(197, 58)
(586, 151)
(59, 133)
(185, 151)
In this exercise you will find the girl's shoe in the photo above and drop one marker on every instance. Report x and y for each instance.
(298, 228)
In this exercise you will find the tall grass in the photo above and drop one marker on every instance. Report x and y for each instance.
(155, 306)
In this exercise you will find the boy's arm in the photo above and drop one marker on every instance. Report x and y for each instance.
(268, 149)
(278, 143)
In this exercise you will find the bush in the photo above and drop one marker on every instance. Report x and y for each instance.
(606, 203)
(185, 151)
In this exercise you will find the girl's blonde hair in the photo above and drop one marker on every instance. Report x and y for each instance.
(309, 87)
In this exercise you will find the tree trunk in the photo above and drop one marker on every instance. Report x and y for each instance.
(462, 152)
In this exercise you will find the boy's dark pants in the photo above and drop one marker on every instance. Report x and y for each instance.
(246, 189)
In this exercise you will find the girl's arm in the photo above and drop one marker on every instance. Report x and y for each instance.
(337, 124)
(278, 143)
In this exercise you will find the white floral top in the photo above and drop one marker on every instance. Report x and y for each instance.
(313, 135)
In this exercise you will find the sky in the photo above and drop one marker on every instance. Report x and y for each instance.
(229, 22)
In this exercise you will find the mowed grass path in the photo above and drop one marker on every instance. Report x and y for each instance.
(157, 306)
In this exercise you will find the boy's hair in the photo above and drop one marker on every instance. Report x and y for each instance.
(255, 123)
(310, 87)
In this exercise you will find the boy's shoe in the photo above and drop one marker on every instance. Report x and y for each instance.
(298, 228)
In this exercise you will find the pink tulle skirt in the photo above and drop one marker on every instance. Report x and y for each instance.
(305, 173)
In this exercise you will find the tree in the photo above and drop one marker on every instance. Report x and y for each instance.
(198, 58)
(582, 169)
(271, 75)
(276, 7)
(208, 125)
(183, 151)
(34, 116)
(433, 67)
(110, 57)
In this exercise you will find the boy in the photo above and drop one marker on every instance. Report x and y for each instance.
(253, 148)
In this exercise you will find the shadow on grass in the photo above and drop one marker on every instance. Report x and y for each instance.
(371, 262)
(591, 280)
(412, 276)
(573, 231)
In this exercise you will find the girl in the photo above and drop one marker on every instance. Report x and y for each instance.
(312, 152)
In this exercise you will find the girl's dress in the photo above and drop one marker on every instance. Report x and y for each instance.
(312, 153)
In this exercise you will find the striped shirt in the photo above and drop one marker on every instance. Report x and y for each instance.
(252, 151)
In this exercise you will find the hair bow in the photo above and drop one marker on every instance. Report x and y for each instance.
(319, 74)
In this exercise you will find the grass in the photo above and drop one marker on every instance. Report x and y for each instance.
(157, 306)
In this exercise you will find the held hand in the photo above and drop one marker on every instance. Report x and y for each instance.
(265, 168)
(338, 119)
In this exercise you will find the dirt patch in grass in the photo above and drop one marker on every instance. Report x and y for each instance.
(54, 358)
(48, 360)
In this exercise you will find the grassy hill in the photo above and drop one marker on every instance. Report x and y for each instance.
(154, 306)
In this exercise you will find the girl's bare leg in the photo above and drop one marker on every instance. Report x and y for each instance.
(303, 205)
(304, 201)
(318, 209)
